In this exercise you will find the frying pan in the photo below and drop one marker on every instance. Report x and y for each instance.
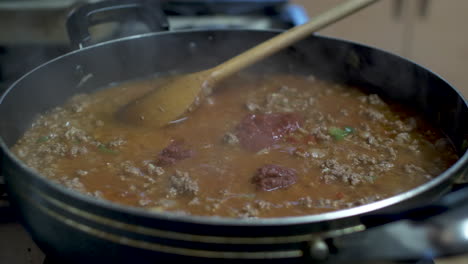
(428, 221)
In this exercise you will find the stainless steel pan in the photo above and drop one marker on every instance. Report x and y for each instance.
(81, 229)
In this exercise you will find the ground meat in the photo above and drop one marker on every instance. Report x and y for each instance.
(311, 100)
(361, 159)
(319, 117)
(362, 99)
(230, 138)
(391, 152)
(403, 138)
(97, 194)
(182, 183)
(365, 200)
(144, 202)
(252, 106)
(321, 133)
(75, 134)
(373, 115)
(259, 131)
(328, 203)
(330, 119)
(194, 201)
(131, 170)
(210, 100)
(318, 153)
(117, 142)
(332, 171)
(272, 177)
(279, 102)
(409, 125)
(301, 153)
(412, 169)
(264, 205)
(248, 211)
(374, 99)
(306, 202)
(414, 146)
(365, 134)
(53, 148)
(74, 183)
(151, 169)
(81, 172)
(78, 150)
(176, 151)
(373, 141)
(79, 102)
(383, 166)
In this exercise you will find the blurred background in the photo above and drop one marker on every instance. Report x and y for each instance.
(429, 32)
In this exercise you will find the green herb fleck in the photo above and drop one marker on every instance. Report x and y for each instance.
(339, 133)
(105, 149)
(348, 129)
(42, 139)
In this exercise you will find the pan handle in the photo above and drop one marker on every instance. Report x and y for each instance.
(82, 18)
(435, 230)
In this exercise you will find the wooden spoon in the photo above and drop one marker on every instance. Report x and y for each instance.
(169, 102)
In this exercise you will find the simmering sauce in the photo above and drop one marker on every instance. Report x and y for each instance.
(260, 146)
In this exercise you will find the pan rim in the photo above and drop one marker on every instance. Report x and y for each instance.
(225, 221)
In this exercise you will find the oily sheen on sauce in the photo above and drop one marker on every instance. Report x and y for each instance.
(260, 146)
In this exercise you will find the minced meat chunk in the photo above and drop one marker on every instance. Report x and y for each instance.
(259, 131)
(248, 211)
(412, 169)
(151, 169)
(321, 133)
(75, 134)
(332, 171)
(374, 99)
(373, 115)
(230, 139)
(174, 152)
(182, 183)
(403, 138)
(409, 125)
(272, 177)
(130, 169)
(117, 142)
(54, 148)
(78, 150)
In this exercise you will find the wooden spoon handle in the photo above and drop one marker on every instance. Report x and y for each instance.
(287, 38)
